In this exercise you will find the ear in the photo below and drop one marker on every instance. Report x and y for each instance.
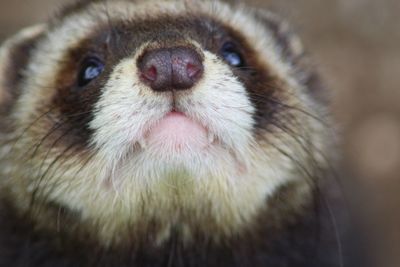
(14, 57)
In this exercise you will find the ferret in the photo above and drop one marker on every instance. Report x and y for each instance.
(164, 133)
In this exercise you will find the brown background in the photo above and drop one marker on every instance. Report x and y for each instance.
(356, 45)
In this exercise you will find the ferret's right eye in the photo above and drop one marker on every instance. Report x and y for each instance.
(91, 69)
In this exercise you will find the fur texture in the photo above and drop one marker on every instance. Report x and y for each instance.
(84, 186)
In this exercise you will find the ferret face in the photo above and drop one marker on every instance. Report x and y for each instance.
(185, 113)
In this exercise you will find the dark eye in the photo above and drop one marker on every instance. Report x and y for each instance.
(91, 68)
(231, 54)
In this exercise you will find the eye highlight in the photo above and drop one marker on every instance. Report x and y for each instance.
(91, 68)
(231, 55)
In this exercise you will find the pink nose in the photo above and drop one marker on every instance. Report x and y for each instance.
(169, 69)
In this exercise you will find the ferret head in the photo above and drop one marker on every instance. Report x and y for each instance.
(166, 115)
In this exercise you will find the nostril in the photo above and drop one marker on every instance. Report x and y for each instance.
(194, 71)
(187, 66)
(150, 74)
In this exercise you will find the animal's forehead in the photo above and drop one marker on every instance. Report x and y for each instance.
(131, 24)
(165, 31)
(149, 6)
(138, 10)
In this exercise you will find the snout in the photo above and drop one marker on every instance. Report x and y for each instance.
(169, 69)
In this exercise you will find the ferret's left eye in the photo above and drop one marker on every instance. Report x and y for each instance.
(231, 54)
(91, 68)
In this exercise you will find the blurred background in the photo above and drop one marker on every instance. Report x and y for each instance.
(356, 45)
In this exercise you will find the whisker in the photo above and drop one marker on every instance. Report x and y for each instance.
(30, 125)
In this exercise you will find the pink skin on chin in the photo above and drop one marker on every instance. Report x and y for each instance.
(177, 131)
